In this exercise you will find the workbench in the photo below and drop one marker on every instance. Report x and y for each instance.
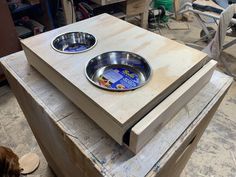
(131, 8)
(75, 146)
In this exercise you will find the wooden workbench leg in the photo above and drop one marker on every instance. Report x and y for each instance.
(176, 10)
(144, 20)
(144, 15)
(69, 11)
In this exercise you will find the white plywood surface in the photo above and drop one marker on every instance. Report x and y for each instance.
(169, 60)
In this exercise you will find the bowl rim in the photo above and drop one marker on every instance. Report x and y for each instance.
(118, 90)
(51, 43)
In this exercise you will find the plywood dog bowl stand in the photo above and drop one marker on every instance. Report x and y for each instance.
(75, 146)
(116, 113)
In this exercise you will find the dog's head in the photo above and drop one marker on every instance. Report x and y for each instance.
(9, 165)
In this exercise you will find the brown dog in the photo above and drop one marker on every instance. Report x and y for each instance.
(9, 165)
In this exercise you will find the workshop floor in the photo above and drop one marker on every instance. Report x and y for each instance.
(215, 155)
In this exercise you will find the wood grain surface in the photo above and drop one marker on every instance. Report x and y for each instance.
(172, 63)
(148, 127)
(67, 136)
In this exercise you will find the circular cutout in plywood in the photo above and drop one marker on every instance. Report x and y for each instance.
(29, 163)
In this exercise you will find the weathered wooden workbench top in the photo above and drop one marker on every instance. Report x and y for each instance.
(75, 146)
(116, 112)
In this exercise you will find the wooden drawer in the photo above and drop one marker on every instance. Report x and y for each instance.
(114, 112)
(149, 126)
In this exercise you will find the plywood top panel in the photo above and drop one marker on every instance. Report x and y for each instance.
(169, 61)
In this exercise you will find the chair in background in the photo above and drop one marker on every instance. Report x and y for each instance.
(224, 21)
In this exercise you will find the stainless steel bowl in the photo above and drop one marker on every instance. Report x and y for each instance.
(73, 42)
(118, 71)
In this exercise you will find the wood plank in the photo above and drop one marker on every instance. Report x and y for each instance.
(176, 10)
(87, 146)
(138, 7)
(69, 11)
(148, 127)
(167, 136)
(172, 64)
(79, 99)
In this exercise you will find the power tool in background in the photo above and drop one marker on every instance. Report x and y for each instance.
(156, 16)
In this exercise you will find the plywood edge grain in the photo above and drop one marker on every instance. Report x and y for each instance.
(78, 98)
(108, 103)
(69, 11)
(171, 88)
(145, 129)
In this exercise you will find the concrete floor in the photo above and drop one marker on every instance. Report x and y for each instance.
(215, 155)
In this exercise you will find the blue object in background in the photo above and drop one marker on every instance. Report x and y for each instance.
(222, 3)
